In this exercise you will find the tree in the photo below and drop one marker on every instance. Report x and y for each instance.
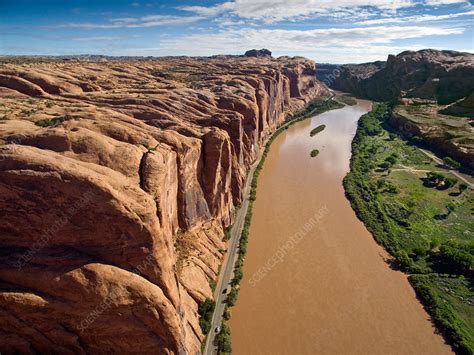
(223, 340)
(450, 182)
(434, 178)
(232, 296)
(451, 163)
(450, 207)
(392, 136)
(392, 159)
(462, 187)
(205, 311)
(458, 256)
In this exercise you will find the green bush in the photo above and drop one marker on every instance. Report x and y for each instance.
(450, 162)
(443, 313)
(227, 313)
(459, 256)
(48, 122)
(314, 153)
(316, 130)
(224, 342)
(232, 296)
(205, 311)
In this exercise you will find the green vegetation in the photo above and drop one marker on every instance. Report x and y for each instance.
(314, 153)
(313, 108)
(205, 311)
(449, 301)
(227, 233)
(49, 122)
(347, 100)
(224, 342)
(419, 215)
(316, 130)
(451, 163)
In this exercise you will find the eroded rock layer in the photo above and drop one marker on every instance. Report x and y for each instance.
(116, 181)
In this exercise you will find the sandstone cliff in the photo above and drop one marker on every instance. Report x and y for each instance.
(439, 76)
(433, 92)
(116, 181)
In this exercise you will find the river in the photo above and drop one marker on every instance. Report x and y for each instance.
(315, 281)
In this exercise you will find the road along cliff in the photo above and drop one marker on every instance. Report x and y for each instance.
(117, 179)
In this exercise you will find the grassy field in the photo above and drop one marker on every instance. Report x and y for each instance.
(346, 100)
(425, 221)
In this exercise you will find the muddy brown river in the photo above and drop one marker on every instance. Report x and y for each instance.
(315, 281)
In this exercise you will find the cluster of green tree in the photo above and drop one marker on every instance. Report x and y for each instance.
(451, 163)
(443, 313)
(438, 180)
(224, 340)
(316, 130)
(455, 258)
(386, 186)
(205, 311)
(360, 190)
(389, 161)
(458, 257)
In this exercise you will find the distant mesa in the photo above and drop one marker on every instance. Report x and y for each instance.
(258, 53)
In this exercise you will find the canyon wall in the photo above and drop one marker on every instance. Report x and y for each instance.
(439, 76)
(117, 179)
(432, 94)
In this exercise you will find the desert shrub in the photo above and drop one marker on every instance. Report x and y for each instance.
(48, 122)
(314, 153)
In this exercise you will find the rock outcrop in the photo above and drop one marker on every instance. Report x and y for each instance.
(258, 53)
(117, 178)
(439, 76)
(432, 92)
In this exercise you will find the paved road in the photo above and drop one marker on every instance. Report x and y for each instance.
(227, 271)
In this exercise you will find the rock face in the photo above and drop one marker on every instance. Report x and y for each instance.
(433, 92)
(440, 76)
(258, 53)
(116, 181)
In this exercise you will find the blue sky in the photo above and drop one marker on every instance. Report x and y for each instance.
(342, 31)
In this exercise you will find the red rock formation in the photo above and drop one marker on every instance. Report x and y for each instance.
(114, 202)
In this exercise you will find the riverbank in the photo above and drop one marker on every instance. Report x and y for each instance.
(422, 214)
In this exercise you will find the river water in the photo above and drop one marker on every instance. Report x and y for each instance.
(315, 281)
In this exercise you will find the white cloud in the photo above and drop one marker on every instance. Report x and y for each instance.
(334, 44)
(278, 10)
(104, 38)
(96, 38)
(420, 18)
(131, 22)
